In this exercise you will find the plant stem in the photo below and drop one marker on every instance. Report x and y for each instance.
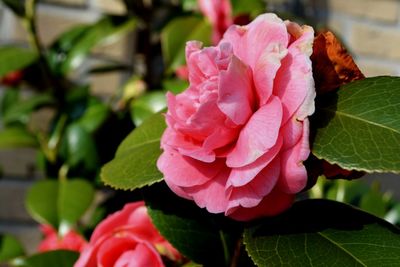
(227, 255)
(236, 254)
(29, 22)
(30, 26)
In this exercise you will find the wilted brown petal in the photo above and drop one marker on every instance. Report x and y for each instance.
(332, 65)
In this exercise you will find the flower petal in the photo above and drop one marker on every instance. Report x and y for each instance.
(185, 171)
(265, 70)
(243, 175)
(236, 97)
(260, 134)
(294, 83)
(211, 195)
(114, 221)
(333, 65)
(252, 193)
(273, 204)
(142, 255)
(293, 173)
(249, 41)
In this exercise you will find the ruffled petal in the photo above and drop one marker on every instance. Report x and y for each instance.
(184, 171)
(273, 204)
(115, 221)
(265, 70)
(251, 194)
(142, 255)
(236, 97)
(249, 42)
(294, 174)
(211, 195)
(294, 83)
(243, 175)
(258, 136)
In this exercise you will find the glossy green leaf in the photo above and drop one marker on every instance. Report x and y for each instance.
(189, 5)
(9, 98)
(134, 165)
(374, 203)
(147, 105)
(242, 7)
(81, 148)
(10, 248)
(81, 40)
(14, 137)
(95, 115)
(323, 233)
(57, 54)
(202, 237)
(74, 198)
(54, 202)
(15, 58)
(41, 202)
(175, 86)
(59, 258)
(175, 35)
(359, 127)
(21, 111)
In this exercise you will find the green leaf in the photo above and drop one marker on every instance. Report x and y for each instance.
(202, 237)
(20, 112)
(254, 7)
(175, 35)
(74, 198)
(10, 248)
(189, 5)
(54, 202)
(323, 233)
(14, 58)
(9, 98)
(175, 86)
(41, 202)
(81, 148)
(134, 165)
(76, 44)
(59, 258)
(17, 137)
(146, 105)
(359, 127)
(374, 203)
(95, 115)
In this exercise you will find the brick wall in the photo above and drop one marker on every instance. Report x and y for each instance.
(371, 31)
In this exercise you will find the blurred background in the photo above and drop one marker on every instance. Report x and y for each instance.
(370, 29)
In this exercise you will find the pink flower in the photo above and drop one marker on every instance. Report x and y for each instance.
(237, 137)
(52, 241)
(219, 13)
(126, 238)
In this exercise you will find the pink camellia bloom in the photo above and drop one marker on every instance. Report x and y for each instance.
(219, 13)
(237, 137)
(52, 241)
(126, 238)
